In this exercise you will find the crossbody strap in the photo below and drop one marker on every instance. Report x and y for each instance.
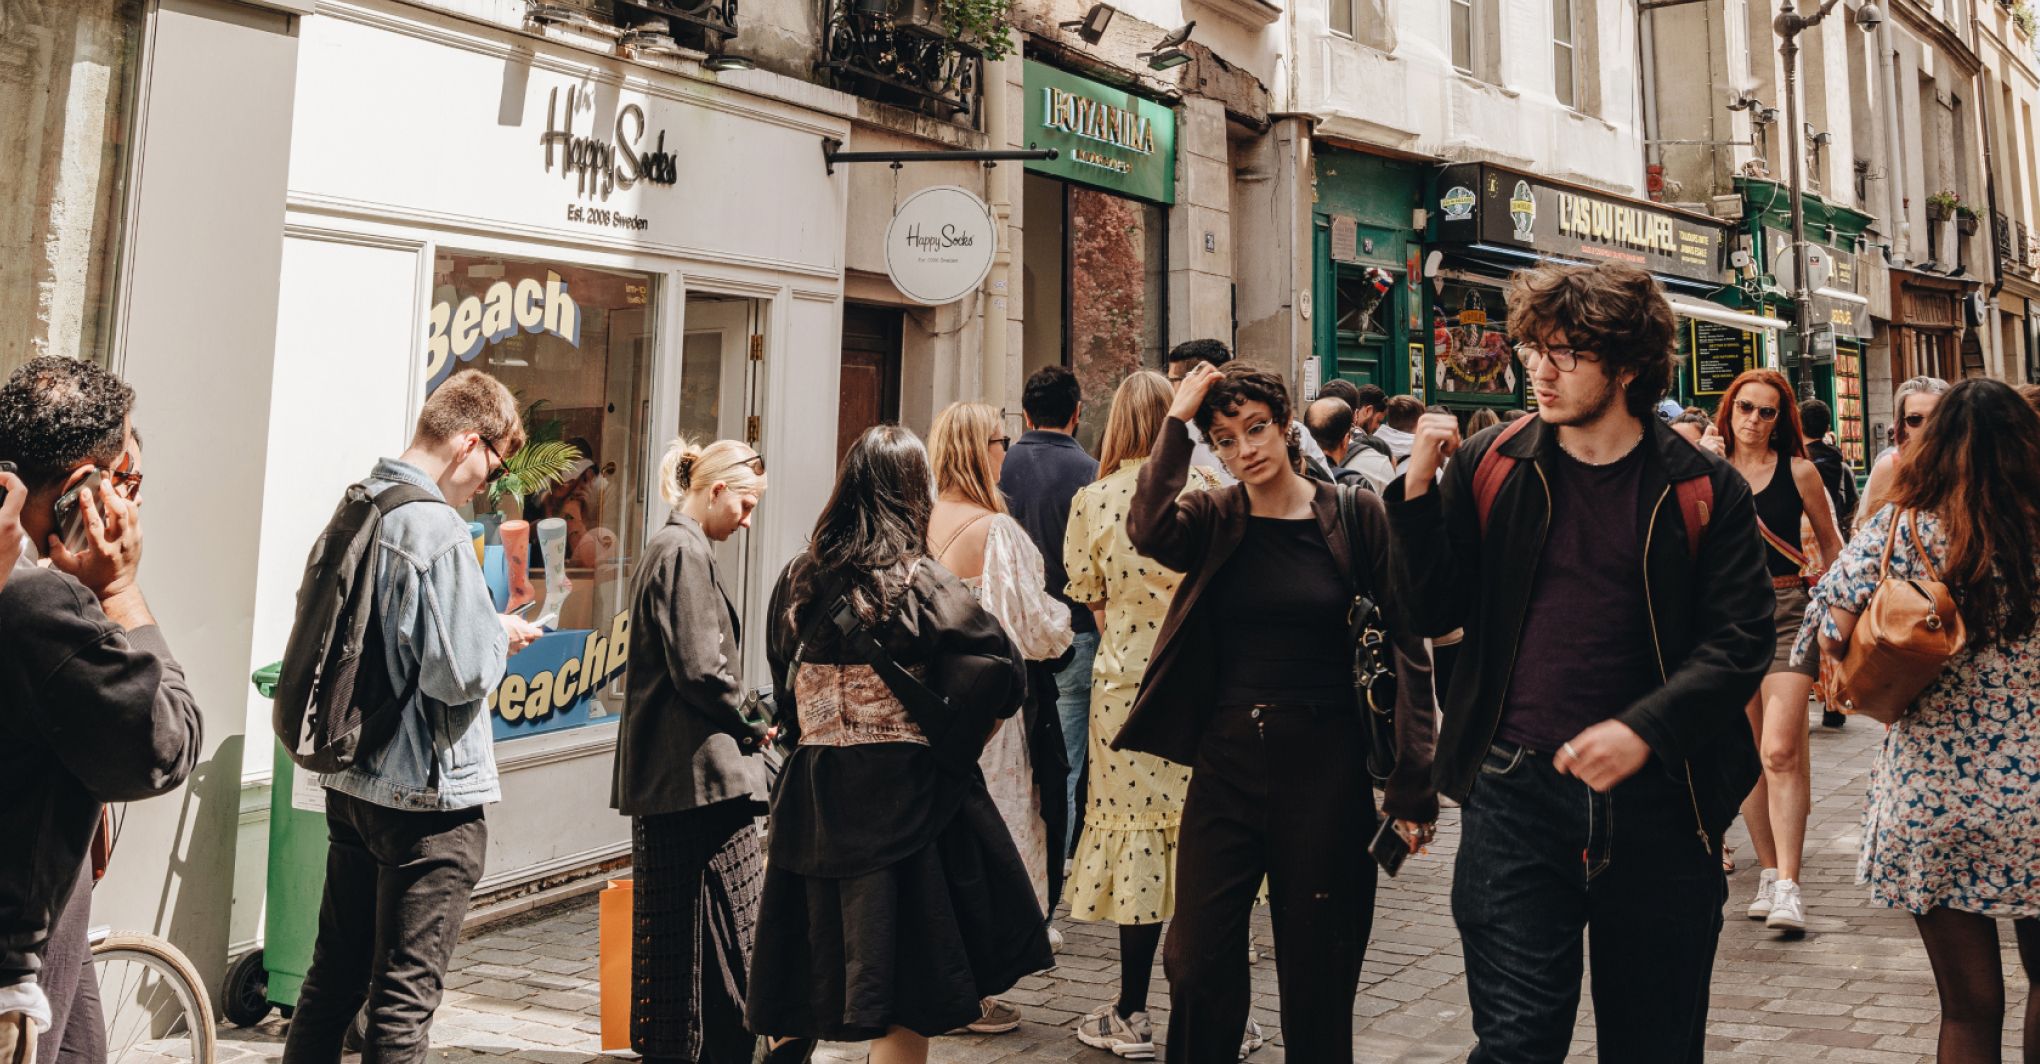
(831, 608)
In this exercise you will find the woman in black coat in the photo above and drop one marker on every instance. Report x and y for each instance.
(686, 770)
(895, 899)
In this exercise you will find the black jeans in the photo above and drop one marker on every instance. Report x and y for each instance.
(1280, 792)
(397, 886)
(77, 1033)
(1543, 858)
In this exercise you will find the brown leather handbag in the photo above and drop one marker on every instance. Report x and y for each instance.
(1907, 634)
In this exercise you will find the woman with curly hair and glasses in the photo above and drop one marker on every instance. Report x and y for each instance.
(1758, 432)
(1251, 685)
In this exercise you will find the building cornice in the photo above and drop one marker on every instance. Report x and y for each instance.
(1929, 27)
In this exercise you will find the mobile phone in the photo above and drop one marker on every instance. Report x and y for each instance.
(549, 622)
(6, 467)
(70, 512)
(1390, 848)
(523, 610)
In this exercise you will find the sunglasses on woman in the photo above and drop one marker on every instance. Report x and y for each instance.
(1913, 421)
(1764, 413)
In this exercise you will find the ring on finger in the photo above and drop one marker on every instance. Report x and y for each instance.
(1569, 751)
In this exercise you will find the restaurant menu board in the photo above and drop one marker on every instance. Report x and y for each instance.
(1720, 354)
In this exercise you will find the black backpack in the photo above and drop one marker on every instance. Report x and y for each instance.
(336, 702)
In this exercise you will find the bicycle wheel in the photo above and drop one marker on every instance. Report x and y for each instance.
(155, 1008)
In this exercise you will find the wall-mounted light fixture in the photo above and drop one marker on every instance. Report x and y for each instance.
(1168, 52)
(650, 37)
(1818, 140)
(723, 61)
(1092, 26)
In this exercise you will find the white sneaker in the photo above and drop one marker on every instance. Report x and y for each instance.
(1130, 1037)
(1766, 886)
(1054, 940)
(1788, 908)
(1254, 1039)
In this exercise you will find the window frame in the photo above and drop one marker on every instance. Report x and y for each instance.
(1472, 58)
(1567, 88)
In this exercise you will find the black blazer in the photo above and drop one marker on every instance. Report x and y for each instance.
(1195, 534)
(684, 741)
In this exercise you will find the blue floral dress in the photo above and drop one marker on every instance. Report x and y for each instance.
(1953, 818)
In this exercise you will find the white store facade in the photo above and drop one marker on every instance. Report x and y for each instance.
(634, 251)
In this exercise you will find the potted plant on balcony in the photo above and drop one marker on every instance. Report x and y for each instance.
(1941, 206)
(1965, 219)
(2022, 17)
(979, 24)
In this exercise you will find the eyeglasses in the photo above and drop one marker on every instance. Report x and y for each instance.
(1256, 434)
(502, 467)
(126, 482)
(1764, 413)
(1004, 443)
(756, 462)
(1564, 359)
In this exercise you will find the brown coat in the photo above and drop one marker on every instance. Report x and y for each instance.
(1195, 534)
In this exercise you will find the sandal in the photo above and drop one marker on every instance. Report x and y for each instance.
(1728, 860)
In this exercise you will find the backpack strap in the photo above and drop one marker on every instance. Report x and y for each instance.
(1494, 469)
(400, 494)
(1696, 507)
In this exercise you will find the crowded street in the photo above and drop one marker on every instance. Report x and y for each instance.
(1854, 989)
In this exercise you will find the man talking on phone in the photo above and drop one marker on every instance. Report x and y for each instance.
(1617, 612)
(93, 709)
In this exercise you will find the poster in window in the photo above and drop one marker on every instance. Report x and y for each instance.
(1470, 338)
(1720, 353)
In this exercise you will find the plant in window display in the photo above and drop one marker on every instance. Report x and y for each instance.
(542, 464)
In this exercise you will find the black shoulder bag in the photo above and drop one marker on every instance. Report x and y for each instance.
(1374, 677)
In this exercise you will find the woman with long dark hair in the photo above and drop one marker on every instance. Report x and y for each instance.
(1758, 426)
(1251, 684)
(894, 900)
(686, 773)
(1952, 829)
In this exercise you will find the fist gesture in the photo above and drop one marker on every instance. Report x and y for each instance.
(1710, 440)
(1190, 394)
(1436, 438)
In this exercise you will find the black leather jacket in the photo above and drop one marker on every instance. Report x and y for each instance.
(1711, 611)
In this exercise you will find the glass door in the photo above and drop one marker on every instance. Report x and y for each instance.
(721, 382)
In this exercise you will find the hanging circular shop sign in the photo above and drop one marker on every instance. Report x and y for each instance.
(940, 245)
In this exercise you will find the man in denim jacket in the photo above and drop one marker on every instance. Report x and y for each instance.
(407, 835)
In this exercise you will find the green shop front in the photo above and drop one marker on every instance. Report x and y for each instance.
(1484, 222)
(1096, 229)
(1366, 302)
(1839, 310)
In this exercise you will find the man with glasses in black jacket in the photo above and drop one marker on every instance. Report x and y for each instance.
(93, 709)
(1618, 616)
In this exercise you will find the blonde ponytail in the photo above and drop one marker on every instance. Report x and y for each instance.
(689, 466)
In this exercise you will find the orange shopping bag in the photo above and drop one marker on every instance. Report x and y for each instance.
(613, 926)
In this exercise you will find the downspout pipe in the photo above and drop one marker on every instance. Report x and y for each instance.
(1894, 161)
(1646, 59)
(1997, 255)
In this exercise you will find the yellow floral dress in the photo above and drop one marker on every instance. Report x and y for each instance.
(1126, 859)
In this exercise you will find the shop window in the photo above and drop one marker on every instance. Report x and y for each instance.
(1470, 344)
(574, 344)
(67, 89)
(1116, 319)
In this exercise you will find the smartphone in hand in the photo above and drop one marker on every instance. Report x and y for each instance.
(1390, 847)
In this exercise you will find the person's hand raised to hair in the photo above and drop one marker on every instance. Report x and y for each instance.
(1710, 440)
(11, 536)
(1190, 394)
(112, 554)
(1436, 438)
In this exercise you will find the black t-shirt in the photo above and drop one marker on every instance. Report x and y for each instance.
(1279, 609)
(1586, 652)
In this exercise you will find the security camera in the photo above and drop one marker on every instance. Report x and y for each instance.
(1869, 17)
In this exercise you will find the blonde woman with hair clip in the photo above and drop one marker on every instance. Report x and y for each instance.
(1126, 857)
(971, 535)
(686, 770)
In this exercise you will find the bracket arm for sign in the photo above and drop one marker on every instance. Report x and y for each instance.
(832, 154)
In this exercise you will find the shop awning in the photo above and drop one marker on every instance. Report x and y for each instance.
(1721, 315)
(1508, 260)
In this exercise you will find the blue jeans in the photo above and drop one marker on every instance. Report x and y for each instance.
(1073, 705)
(1542, 859)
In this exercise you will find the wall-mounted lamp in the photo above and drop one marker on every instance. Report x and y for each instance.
(723, 61)
(1168, 52)
(1818, 140)
(1092, 26)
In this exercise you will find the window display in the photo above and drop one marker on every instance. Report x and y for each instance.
(1470, 342)
(574, 344)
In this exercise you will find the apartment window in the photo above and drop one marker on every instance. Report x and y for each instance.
(1342, 17)
(1564, 53)
(1462, 35)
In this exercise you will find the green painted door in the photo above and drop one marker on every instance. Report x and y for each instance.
(1356, 326)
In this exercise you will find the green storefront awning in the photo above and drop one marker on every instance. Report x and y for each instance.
(1105, 137)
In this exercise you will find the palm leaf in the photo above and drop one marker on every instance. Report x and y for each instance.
(535, 467)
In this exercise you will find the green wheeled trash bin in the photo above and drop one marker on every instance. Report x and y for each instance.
(271, 976)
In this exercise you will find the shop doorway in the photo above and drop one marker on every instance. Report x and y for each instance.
(871, 372)
(722, 367)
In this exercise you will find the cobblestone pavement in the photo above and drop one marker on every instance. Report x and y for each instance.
(1855, 988)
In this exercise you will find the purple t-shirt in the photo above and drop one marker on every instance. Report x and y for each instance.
(1586, 653)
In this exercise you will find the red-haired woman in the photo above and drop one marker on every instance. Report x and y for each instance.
(1759, 427)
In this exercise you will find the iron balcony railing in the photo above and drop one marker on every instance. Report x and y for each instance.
(898, 52)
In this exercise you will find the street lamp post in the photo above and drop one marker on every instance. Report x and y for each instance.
(1788, 25)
